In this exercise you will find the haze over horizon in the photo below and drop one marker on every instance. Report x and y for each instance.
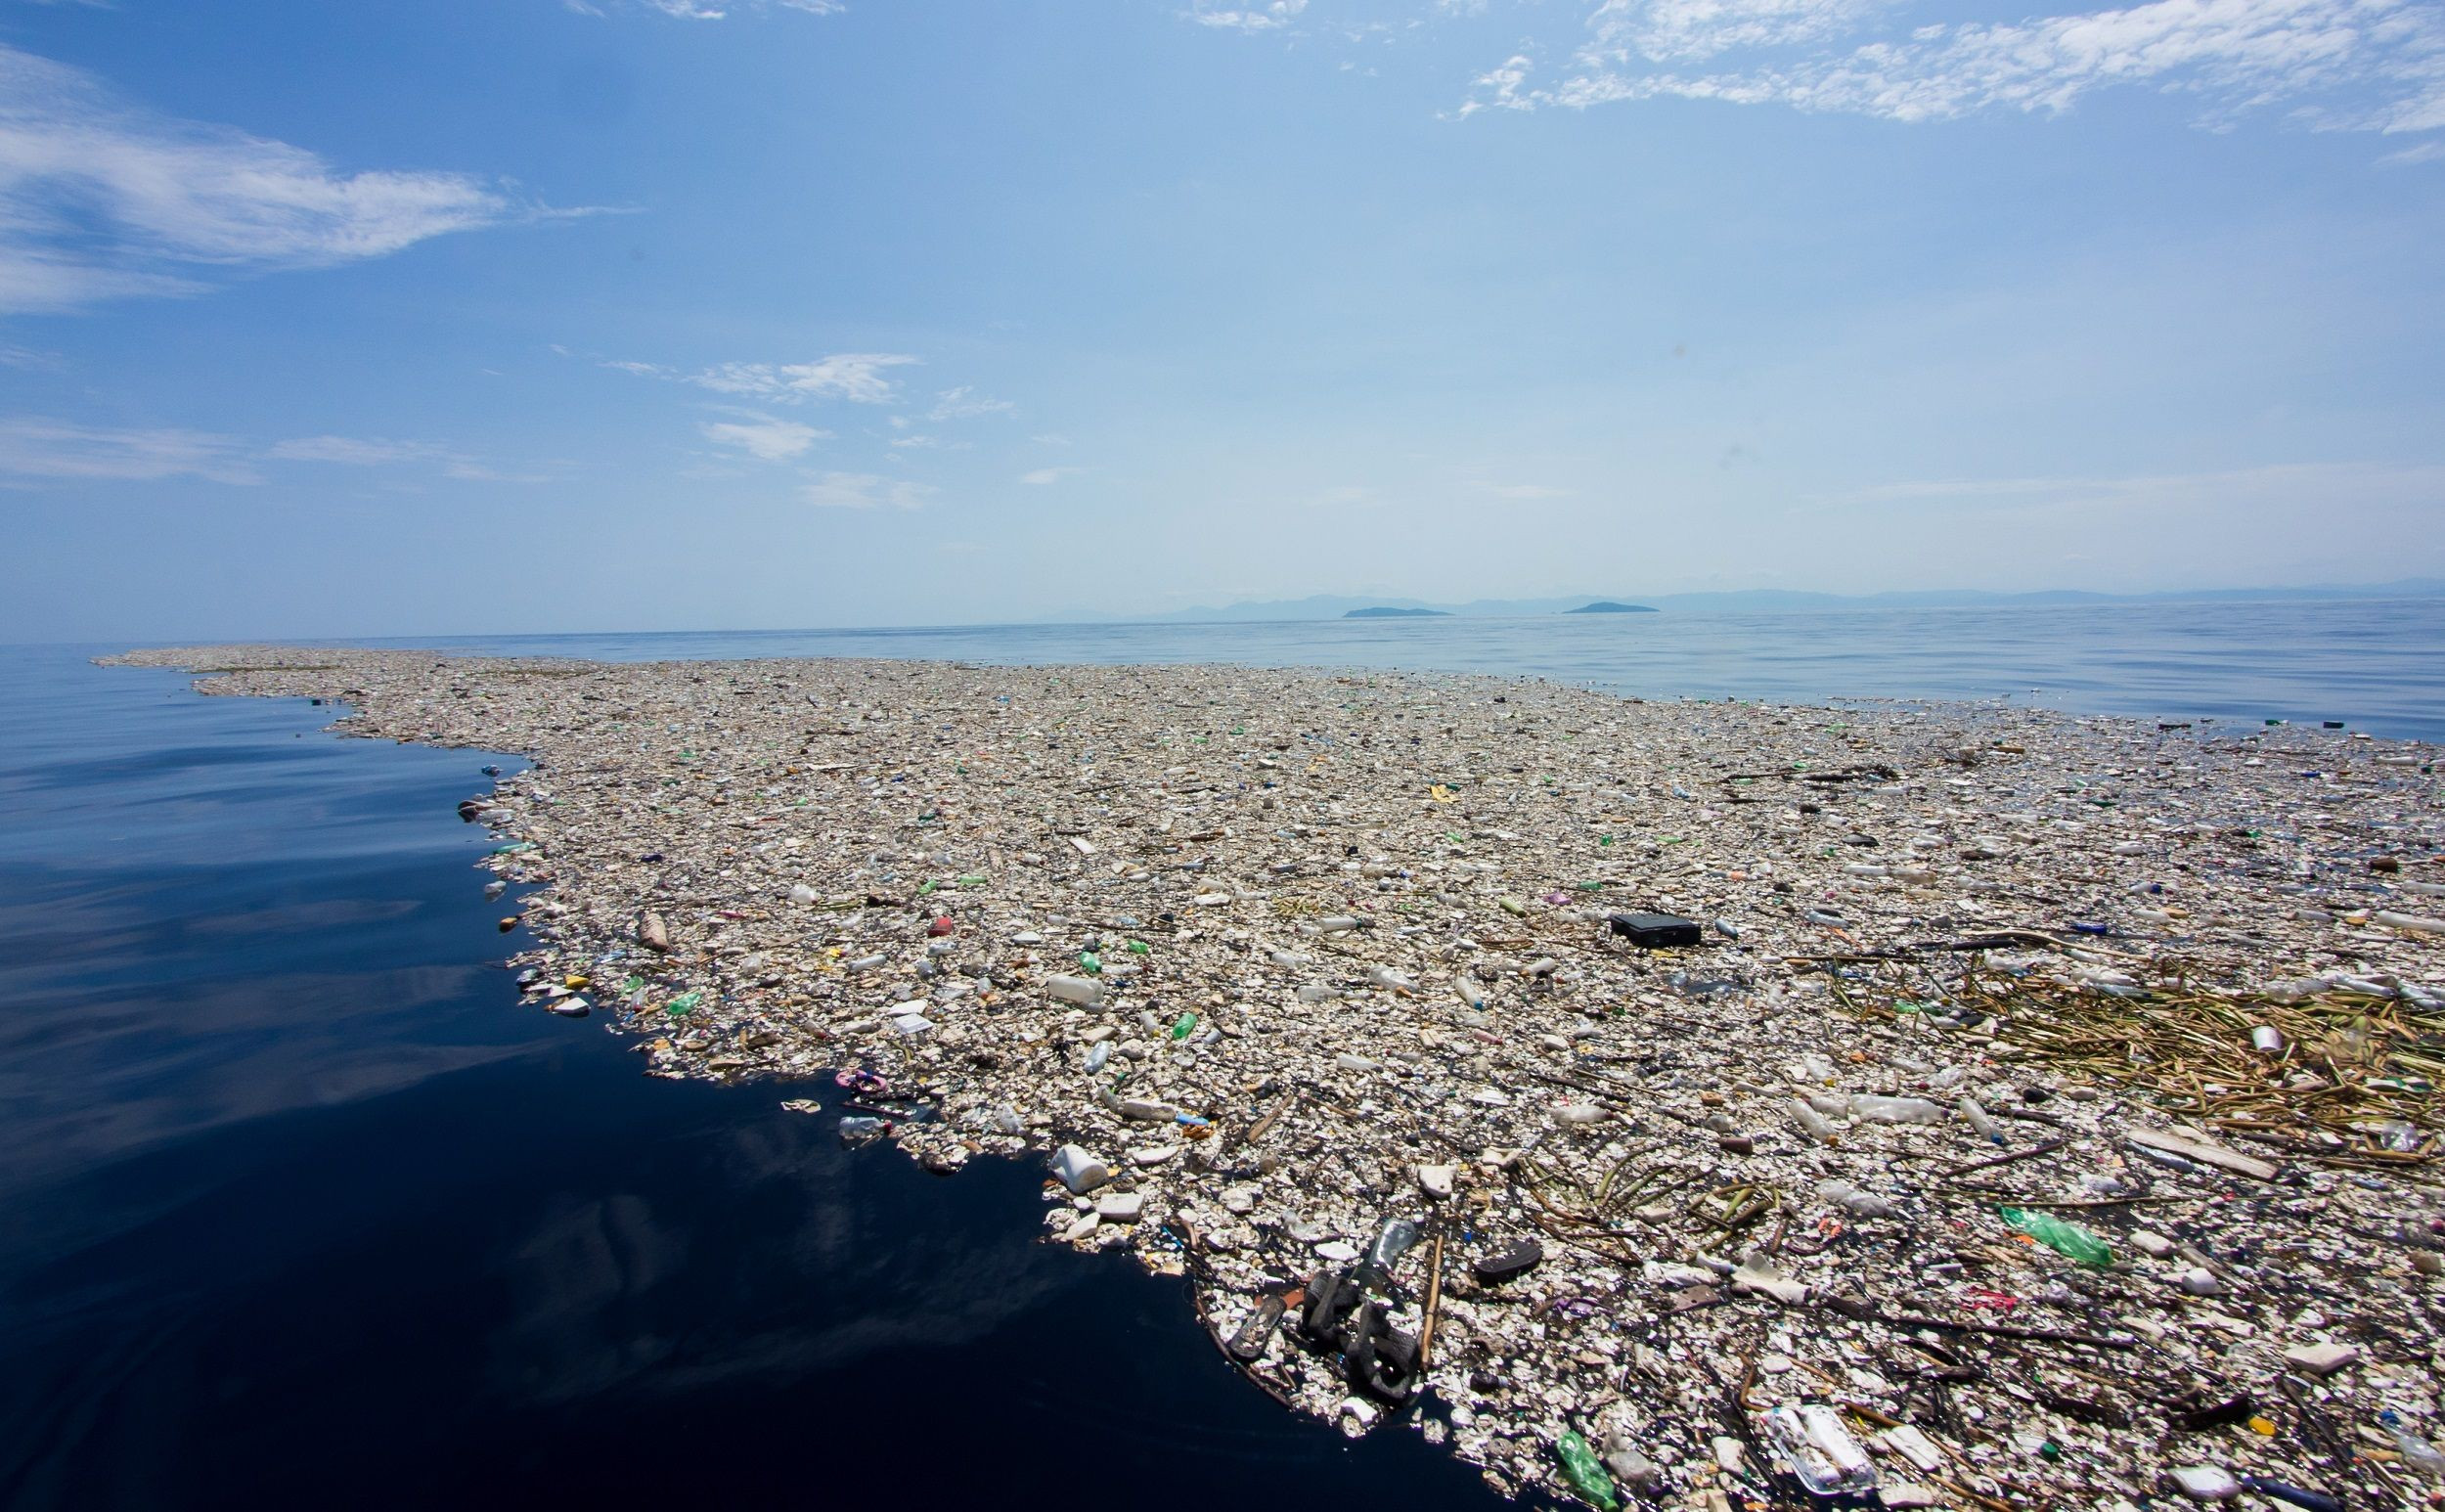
(536, 315)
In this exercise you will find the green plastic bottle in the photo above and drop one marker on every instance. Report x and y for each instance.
(1586, 1475)
(2060, 1236)
(1091, 963)
(1182, 1026)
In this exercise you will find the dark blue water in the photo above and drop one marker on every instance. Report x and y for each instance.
(2376, 664)
(301, 1209)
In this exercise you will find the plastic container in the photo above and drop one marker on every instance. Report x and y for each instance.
(1582, 1469)
(2064, 1238)
(1820, 1451)
(1083, 991)
(1079, 1170)
(1895, 1110)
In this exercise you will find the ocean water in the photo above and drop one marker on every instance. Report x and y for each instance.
(2378, 664)
(302, 1208)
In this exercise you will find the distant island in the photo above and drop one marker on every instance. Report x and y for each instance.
(1748, 600)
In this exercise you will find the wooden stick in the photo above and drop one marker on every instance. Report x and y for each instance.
(2032, 1152)
(1433, 1299)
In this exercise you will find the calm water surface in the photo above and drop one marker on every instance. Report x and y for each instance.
(2378, 664)
(304, 1210)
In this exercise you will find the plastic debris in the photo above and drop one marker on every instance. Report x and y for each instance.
(1356, 965)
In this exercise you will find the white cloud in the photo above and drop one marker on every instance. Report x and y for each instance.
(1050, 439)
(2425, 151)
(1043, 475)
(1661, 30)
(858, 376)
(962, 403)
(99, 200)
(765, 437)
(865, 491)
(2369, 65)
(1269, 18)
(36, 448)
(1526, 490)
(926, 443)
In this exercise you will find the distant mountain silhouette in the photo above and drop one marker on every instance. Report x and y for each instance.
(1608, 606)
(1387, 613)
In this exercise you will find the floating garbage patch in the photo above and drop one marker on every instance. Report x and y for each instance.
(1688, 1104)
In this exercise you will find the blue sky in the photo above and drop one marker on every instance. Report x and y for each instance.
(517, 315)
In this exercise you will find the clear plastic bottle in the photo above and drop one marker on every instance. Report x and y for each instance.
(1895, 1110)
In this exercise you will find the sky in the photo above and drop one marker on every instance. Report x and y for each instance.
(504, 316)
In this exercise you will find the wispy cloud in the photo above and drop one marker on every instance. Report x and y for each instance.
(964, 403)
(865, 491)
(2367, 64)
(859, 376)
(699, 10)
(764, 436)
(1041, 476)
(378, 452)
(1265, 18)
(100, 201)
(1525, 491)
(2425, 151)
(921, 442)
(35, 448)
(2232, 491)
(353, 451)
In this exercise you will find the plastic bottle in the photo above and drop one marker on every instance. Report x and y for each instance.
(1850, 1199)
(1895, 1110)
(1586, 1475)
(1812, 1122)
(2064, 1238)
(1986, 1127)
(1182, 1026)
(2419, 1452)
(1083, 991)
